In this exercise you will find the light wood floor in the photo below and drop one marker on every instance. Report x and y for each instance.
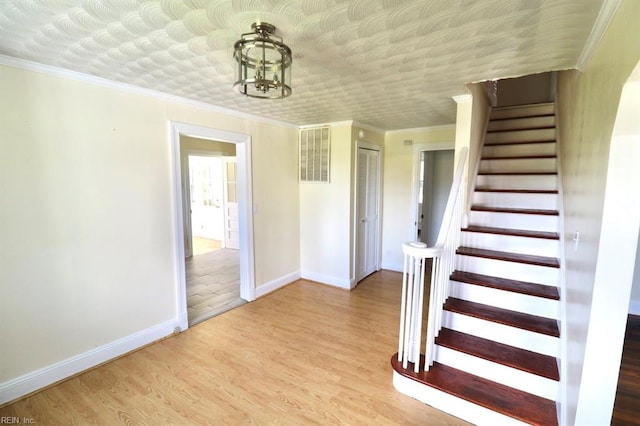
(305, 354)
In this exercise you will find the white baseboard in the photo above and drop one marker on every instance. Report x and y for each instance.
(634, 307)
(38, 379)
(277, 283)
(344, 283)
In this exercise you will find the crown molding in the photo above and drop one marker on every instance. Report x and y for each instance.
(99, 81)
(605, 16)
(422, 129)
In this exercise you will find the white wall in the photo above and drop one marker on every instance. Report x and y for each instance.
(325, 227)
(587, 103)
(399, 182)
(327, 212)
(86, 214)
(615, 265)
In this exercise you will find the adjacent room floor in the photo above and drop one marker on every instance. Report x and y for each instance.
(213, 280)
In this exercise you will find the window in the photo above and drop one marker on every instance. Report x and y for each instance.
(314, 154)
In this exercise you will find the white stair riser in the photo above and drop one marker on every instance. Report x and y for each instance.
(529, 165)
(453, 405)
(524, 303)
(539, 182)
(511, 243)
(524, 339)
(534, 222)
(545, 148)
(521, 136)
(508, 376)
(522, 123)
(523, 111)
(511, 270)
(516, 200)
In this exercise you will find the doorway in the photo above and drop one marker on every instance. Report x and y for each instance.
(236, 191)
(206, 203)
(368, 210)
(435, 178)
(212, 269)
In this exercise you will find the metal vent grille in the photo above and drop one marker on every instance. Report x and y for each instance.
(314, 154)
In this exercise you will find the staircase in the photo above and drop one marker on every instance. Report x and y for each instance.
(495, 357)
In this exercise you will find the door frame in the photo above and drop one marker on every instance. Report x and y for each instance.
(417, 149)
(378, 245)
(243, 155)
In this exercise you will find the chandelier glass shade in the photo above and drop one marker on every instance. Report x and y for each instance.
(262, 63)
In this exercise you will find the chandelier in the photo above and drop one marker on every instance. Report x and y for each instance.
(263, 64)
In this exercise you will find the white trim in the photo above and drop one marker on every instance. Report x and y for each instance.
(605, 16)
(245, 210)
(368, 127)
(332, 124)
(36, 380)
(467, 97)
(99, 81)
(274, 285)
(344, 123)
(344, 283)
(448, 403)
(421, 129)
(563, 390)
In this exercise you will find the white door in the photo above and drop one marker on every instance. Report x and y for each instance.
(230, 204)
(368, 193)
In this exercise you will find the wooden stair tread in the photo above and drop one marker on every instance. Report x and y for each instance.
(503, 399)
(514, 232)
(521, 287)
(519, 143)
(515, 319)
(520, 359)
(528, 259)
(520, 157)
(517, 173)
(517, 191)
(551, 114)
(515, 210)
(518, 129)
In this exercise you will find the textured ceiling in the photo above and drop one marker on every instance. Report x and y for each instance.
(391, 64)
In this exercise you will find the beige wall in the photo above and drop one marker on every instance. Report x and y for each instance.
(325, 212)
(327, 227)
(587, 105)
(87, 214)
(399, 175)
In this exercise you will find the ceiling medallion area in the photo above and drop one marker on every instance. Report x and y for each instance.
(262, 64)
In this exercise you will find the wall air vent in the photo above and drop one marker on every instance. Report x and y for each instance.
(314, 154)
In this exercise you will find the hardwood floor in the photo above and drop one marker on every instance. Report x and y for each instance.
(305, 354)
(626, 409)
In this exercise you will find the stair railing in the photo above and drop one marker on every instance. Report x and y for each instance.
(417, 256)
